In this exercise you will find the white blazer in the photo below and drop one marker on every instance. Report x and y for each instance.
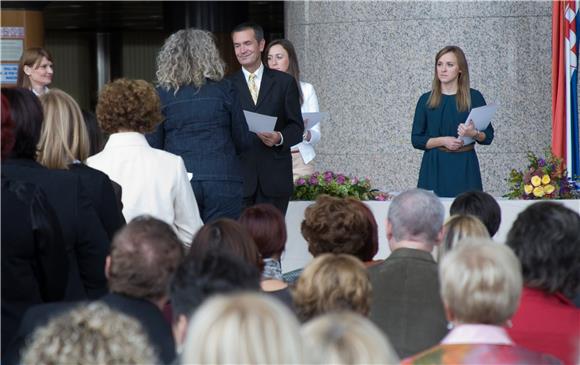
(310, 105)
(154, 182)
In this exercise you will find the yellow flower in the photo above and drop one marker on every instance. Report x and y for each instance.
(545, 179)
(536, 181)
(549, 189)
(528, 188)
(539, 191)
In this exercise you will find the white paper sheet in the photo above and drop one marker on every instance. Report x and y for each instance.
(313, 119)
(259, 122)
(481, 118)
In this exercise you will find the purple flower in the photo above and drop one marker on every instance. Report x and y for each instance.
(300, 182)
(327, 178)
(355, 180)
(313, 180)
(328, 175)
(340, 179)
(541, 162)
(315, 174)
(381, 197)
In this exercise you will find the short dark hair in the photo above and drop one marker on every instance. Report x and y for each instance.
(258, 30)
(27, 115)
(216, 273)
(96, 137)
(480, 204)
(226, 235)
(144, 255)
(267, 226)
(546, 239)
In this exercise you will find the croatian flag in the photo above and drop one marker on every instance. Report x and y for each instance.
(565, 28)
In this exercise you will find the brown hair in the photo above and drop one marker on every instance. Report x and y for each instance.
(371, 245)
(144, 255)
(330, 225)
(267, 226)
(293, 68)
(131, 105)
(457, 228)
(332, 283)
(463, 95)
(31, 58)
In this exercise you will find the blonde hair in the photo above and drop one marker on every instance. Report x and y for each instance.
(346, 338)
(332, 282)
(463, 99)
(243, 328)
(91, 334)
(481, 282)
(64, 136)
(458, 227)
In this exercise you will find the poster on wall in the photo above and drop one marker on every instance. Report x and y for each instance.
(11, 49)
(8, 73)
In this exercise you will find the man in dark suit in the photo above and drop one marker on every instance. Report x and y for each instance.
(406, 303)
(267, 165)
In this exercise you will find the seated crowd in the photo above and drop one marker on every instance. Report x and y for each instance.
(106, 260)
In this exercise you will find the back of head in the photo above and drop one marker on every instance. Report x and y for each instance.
(332, 283)
(188, 57)
(458, 227)
(64, 136)
(30, 57)
(91, 334)
(480, 204)
(243, 328)
(416, 215)
(96, 137)
(481, 282)
(546, 239)
(216, 273)
(371, 246)
(331, 225)
(225, 235)
(130, 106)
(346, 338)
(26, 113)
(266, 224)
(144, 255)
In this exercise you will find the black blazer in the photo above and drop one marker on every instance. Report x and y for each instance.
(86, 241)
(271, 167)
(99, 189)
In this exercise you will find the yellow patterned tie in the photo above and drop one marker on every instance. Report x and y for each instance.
(253, 88)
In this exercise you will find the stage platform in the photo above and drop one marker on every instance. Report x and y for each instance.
(297, 256)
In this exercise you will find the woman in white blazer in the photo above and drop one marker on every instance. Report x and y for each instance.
(282, 57)
(154, 182)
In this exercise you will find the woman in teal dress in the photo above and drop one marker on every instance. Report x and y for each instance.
(448, 167)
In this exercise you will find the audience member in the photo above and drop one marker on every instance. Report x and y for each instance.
(406, 304)
(154, 182)
(96, 137)
(546, 239)
(481, 284)
(91, 334)
(281, 56)
(64, 144)
(480, 204)
(85, 239)
(244, 328)
(197, 280)
(35, 70)
(332, 283)
(346, 338)
(34, 263)
(458, 227)
(204, 122)
(371, 246)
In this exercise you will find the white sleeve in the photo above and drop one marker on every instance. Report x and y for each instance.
(187, 218)
(310, 105)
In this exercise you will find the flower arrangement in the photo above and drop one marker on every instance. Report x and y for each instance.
(338, 185)
(545, 178)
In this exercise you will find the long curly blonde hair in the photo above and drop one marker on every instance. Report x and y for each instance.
(188, 57)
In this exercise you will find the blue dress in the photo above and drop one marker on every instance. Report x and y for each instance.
(448, 174)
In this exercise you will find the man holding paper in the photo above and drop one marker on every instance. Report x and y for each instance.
(267, 165)
(449, 167)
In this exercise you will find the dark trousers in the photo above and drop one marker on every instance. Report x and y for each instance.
(279, 202)
(218, 199)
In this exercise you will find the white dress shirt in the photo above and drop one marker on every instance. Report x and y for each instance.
(310, 105)
(258, 79)
(154, 182)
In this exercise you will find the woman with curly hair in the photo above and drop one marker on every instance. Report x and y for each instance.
(154, 182)
(203, 121)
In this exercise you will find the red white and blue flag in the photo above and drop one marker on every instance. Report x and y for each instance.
(565, 130)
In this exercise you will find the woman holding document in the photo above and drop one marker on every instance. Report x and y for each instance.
(449, 167)
(282, 57)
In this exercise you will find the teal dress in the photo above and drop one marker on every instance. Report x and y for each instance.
(448, 174)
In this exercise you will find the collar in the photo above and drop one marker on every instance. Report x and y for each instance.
(124, 139)
(43, 91)
(477, 334)
(404, 252)
(259, 72)
(22, 162)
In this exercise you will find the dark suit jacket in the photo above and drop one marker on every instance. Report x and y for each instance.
(99, 189)
(85, 239)
(271, 167)
(406, 303)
